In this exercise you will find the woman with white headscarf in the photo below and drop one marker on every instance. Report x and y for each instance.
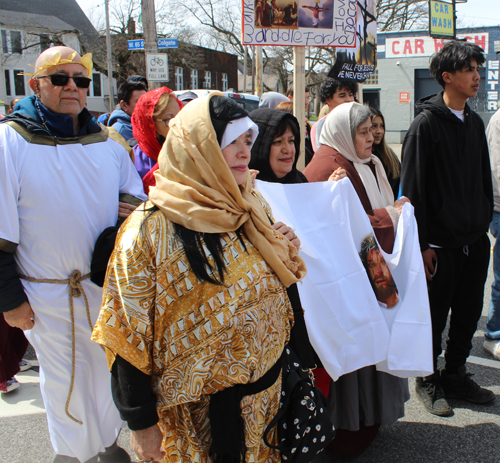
(361, 401)
(348, 142)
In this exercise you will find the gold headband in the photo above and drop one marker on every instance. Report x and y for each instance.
(86, 62)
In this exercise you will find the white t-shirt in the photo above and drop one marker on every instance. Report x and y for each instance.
(459, 114)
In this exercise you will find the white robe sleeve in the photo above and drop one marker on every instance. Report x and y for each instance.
(9, 185)
(130, 181)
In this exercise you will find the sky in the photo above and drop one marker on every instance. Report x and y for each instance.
(474, 13)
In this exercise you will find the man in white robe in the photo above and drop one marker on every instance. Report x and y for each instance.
(61, 177)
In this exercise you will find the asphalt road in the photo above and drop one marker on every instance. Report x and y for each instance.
(471, 435)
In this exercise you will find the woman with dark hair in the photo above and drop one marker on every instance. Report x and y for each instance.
(274, 156)
(309, 153)
(150, 123)
(276, 150)
(361, 401)
(195, 303)
(388, 157)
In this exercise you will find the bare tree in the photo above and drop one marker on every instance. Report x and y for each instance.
(401, 15)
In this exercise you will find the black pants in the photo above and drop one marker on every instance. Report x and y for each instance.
(458, 285)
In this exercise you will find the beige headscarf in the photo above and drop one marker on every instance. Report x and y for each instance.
(336, 133)
(195, 188)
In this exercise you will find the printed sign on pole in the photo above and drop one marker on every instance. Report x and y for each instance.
(157, 67)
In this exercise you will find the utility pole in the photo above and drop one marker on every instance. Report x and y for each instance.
(258, 72)
(299, 102)
(245, 72)
(253, 70)
(108, 58)
(149, 29)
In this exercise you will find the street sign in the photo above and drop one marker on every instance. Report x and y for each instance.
(167, 43)
(162, 43)
(135, 44)
(157, 67)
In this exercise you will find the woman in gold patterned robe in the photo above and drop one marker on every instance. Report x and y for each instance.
(195, 301)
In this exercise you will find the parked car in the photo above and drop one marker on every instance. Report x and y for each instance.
(249, 102)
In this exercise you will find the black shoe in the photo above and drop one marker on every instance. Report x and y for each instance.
(118, 455)
(66, 459)
(431, 395)
(461, 386)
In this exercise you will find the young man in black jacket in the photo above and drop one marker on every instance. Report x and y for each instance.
(446, 175)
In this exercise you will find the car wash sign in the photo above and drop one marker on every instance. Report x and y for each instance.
(441, 19)
(413, 47)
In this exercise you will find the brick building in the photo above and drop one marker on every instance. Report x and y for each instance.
(193, 67)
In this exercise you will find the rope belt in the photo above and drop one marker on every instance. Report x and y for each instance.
(75, 290)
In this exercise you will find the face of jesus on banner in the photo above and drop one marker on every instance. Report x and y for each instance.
(379, 275)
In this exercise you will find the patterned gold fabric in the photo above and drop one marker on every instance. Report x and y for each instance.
(194, 338)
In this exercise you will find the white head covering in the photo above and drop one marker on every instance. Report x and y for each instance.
(272, 99)
(336, 133)
(238, 127)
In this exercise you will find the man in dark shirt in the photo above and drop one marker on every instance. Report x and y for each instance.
(446, 175)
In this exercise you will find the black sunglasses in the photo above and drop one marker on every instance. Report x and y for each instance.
(60, 80)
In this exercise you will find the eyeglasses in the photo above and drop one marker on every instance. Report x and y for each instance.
(60, 80)
(166, 121)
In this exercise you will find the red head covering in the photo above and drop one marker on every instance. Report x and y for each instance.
(143, 126)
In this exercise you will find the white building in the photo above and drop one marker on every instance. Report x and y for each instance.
(23, 37)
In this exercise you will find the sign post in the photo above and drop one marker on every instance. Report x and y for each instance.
(157, 67)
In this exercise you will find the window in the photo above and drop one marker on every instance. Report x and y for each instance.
(373, 79)
(11, 42)
(8, 91)
(224, 82)
(96, 84)
(4, 42)
(19, 83)
(194, 79)
(95, 89)
(208, 80)
(179, 78)
(14, 82)
(44, 42)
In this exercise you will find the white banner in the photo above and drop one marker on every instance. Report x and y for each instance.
(347, 326)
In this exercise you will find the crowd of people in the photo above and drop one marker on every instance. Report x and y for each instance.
(200, 297)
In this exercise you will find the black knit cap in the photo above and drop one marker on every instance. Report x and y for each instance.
(222, 111)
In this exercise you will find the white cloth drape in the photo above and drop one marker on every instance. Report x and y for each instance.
(346, 325)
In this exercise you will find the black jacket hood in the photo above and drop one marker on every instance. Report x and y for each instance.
(436, 105)
(268, 121)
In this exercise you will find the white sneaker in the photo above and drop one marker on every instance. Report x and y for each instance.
(24, 365)
(493, 347)
(12, 384)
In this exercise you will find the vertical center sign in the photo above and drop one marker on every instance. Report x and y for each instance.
(157, 67)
